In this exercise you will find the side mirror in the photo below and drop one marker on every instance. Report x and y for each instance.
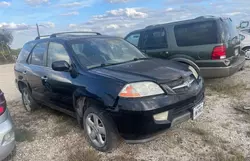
(61, 66)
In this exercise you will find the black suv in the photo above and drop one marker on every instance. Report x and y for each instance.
(213, 43)
(108, 85)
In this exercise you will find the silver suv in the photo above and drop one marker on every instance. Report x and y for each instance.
(7, 136)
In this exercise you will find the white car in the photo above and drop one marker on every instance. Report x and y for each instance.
(245, 43)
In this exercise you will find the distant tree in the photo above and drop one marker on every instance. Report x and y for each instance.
(6, 39)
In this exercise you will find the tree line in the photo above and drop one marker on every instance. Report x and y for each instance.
(6, 53)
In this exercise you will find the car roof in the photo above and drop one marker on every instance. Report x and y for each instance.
(197, 19)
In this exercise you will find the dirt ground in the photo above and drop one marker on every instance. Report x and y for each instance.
(222, 133)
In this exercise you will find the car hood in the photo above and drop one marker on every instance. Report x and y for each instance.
(158, 70)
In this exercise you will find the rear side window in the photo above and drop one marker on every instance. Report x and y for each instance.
(38, 54)
(155, 39)
(200, 33)
(134, 38)
(56, 52)
(23, 55)
(244, 24)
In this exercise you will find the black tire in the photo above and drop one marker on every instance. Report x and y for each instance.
(112, 139)
(32, 105)
(80, 103)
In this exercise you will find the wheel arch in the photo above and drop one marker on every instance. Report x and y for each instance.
(22, 84)
(245, 47)
(82, 100)
(187, 60)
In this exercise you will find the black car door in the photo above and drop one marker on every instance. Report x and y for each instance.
(154, 42)
(35, 70)
(59, 86)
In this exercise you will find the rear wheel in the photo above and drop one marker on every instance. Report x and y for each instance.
(247, 53)
(28, 102)
(100, 130)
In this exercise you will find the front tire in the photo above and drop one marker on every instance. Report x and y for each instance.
(28, 102)
(100, 130)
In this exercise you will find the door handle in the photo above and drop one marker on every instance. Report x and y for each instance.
(44, 78)
(24, 72)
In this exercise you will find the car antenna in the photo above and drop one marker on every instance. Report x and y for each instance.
(37, 29)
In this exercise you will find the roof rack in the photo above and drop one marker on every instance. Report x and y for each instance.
(207, 16)
(39, 37)
(79, 32)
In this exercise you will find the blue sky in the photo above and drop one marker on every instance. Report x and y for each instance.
(115, 17)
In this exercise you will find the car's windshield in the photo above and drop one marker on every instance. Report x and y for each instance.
(95, 52)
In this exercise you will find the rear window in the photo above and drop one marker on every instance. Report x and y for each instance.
(23, 55)
(199, 33)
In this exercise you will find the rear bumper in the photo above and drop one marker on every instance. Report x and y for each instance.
(6, 146)
(217, 72)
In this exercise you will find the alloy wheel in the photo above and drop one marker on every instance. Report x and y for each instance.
(247, 54)
(26, 100)
(96, 130)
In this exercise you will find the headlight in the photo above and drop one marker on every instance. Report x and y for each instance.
(196, 75)
(140, 89)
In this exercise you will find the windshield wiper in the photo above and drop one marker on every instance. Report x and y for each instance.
(144, 58)
(110, 64)
(103, 65)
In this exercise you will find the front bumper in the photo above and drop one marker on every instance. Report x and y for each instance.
(217, 72)
(140, 126)
(6, 128)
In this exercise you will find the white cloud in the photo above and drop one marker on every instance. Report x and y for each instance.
(72, 25)
(117, 1)
(74, 13)
(79, 28)
(73, 4)
(36, 2)
(113, 26)
(14, 26)
(48, 24)
(5, 4)
(169, 9)
(233, 13)
(77, 4)
(126, 13)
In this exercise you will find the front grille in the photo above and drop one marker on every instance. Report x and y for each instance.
(176, 85)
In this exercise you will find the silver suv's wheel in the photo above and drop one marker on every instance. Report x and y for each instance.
(247, 53)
